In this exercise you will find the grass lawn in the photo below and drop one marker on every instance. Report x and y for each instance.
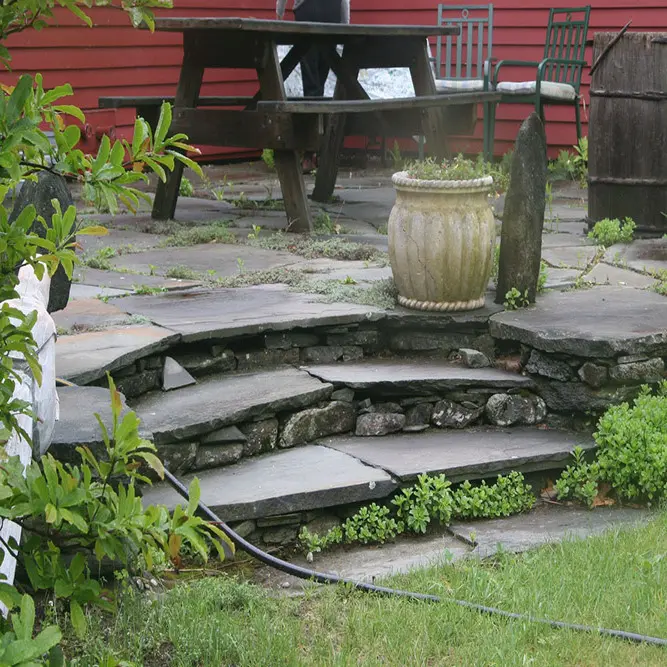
(617, 580)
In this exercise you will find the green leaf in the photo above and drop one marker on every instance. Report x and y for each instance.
(50, 513)
(71, 110)
(194, 493)
(18, 99)
(92, 230)
(163, 125)
(78, 619)
(153, 461)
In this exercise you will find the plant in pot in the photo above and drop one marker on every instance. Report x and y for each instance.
(442, 234)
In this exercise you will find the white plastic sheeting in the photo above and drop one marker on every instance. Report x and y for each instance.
(33, 296)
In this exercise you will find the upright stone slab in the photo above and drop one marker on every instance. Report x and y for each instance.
(523, 217)
(48, 186)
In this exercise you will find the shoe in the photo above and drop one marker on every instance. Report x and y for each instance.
(307, 165)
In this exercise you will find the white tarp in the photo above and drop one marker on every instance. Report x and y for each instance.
(33, 296)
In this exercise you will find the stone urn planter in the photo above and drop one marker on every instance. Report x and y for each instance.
(441, 240)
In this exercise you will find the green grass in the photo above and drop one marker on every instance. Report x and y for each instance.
(188, 236)
(311, 248)
(618, 580)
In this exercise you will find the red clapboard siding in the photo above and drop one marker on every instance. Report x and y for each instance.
(115, 59)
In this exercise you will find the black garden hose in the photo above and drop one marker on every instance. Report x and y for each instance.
(321, 578)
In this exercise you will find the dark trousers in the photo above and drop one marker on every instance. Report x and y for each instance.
(314, 68)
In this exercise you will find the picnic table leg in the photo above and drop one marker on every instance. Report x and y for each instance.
(288, 163)
(187, 94)
(432, 120)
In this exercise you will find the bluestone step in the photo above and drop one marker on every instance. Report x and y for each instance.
(282, 482)
(473, 453)
(415, 376)
(219, 401)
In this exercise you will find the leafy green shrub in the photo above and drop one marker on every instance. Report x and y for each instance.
(632, 446)
(71, 514)
(268, 159)
(609, 231)
(429, 498)
(509, 495)
(415, 507)
(579, 481)
(370, 524)
(458, 168)
(515, 300)
(185, 189)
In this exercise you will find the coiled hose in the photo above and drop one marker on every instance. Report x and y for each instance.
(321, 578)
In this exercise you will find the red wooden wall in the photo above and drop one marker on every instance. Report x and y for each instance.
(114, 59)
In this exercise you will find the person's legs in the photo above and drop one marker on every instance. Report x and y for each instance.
(314, 67)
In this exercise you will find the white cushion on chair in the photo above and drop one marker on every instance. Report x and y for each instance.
(548, 89)
(459, 85)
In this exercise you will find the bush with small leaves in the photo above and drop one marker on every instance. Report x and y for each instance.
(632, 446)
(579, 481)
(607, 232)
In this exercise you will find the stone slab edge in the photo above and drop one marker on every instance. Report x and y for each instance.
(125, 359)
(300, 502)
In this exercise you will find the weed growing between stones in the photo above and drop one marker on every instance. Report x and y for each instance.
(431, 499)
(217, 232)
(185, 189)
(268, 159)
(100, 258)
(515, 300)
(310, 248)
(631, 455)
(182, 272)
(607, 232)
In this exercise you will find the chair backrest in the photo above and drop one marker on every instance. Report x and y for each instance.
(566, 37)
(463, 56)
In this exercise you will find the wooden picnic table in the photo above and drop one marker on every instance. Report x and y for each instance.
(270, 120)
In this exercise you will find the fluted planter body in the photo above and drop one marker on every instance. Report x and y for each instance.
(441, 240)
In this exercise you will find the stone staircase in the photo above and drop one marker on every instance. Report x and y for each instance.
(276, 447)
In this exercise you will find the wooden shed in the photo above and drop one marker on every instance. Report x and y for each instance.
(115, 59)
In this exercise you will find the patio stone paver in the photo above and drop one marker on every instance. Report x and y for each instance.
(596, 322)
(641, 255)
(283, 482)
(473, 453)
(223, 313)
(613, 275)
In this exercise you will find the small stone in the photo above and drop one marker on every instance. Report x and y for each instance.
(178, 458)
(259, 358)
(282, 535)
(224, 436)
(214, 456)
(285, 584)
(364, 338)
(323, 524)
(309, 425)
(416, 400)
(286, 340)
(279, 520)
(261, 435)
(198, 363)
(244, 528)
(415, 428)
(509, 409)
(631, 358)
(174, 376)
(364, 405)
(309, 557)
(321, 354)
(447, 414)
(419, 415)
(473, 358)
(386, 407)
(593, 375)
(547, 366)
(346, 395)
(639, 371)
(379, 423)
(139, 384)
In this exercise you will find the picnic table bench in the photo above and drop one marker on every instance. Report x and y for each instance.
(288, 126)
